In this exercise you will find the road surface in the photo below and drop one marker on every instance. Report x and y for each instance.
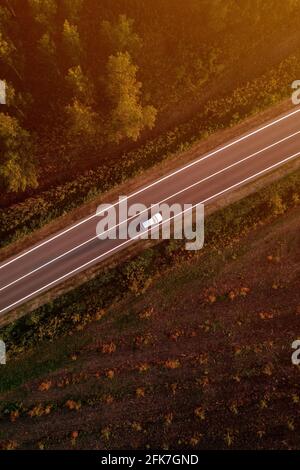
(210, 176)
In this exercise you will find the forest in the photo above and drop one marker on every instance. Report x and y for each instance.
(89, 80)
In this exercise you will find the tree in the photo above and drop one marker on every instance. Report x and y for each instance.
(219, 12)
(15, 101)
(277, 205)
(47, 49)
(5, 18)
(72, 9)
(72, 43)
(128, 117)
(121, 36)
(6, 50)
(17, 170)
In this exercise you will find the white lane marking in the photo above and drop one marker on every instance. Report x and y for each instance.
(286, 116)
(146, 210)
(131, 239)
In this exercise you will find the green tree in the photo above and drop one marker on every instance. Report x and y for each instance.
(10, 55)
(121, 36)
(277, 205)
(16, 101)
(47, 49)
(219, 12)
(6, 50)
(82, 121)
(44, 11)
(72, 43)
(128, 117)
(80, 85)
(17, 170)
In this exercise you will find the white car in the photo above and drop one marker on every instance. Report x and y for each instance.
(153, 221)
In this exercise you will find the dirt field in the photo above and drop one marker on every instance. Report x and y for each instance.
(202, 360)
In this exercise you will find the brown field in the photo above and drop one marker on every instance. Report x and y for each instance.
(201, 360)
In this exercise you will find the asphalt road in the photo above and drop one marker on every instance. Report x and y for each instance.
(212, 175)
